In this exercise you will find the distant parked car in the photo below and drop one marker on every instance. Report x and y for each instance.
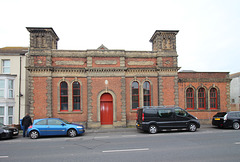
(155, 118)
(227, 119)
(7, 132)
(54, 127)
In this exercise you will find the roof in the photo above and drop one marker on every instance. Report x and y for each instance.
(40, 29)
(235, 75)
(162, 31)
(13, 50)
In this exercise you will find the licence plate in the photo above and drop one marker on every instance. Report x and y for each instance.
(217, 118)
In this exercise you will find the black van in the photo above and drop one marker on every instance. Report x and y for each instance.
(155, 118)
(227, 119)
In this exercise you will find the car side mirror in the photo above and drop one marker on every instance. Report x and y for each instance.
(63, 124)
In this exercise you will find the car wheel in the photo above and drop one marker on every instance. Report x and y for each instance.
(192, 127)
(152, 129)
(235, 125)
(34, 134)
(72, 133)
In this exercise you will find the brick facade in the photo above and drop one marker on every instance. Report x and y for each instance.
(49, 67)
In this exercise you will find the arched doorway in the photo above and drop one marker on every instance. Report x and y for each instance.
(106, 109)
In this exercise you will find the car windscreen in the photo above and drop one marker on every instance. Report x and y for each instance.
(220, 114)
(65, 121)
(1, 124)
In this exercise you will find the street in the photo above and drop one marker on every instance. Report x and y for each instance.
(207, 144)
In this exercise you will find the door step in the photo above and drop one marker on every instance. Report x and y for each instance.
(107, 126)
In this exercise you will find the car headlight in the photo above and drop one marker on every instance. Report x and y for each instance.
(6, 131)
(80, 127)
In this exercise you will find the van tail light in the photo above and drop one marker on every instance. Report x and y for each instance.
(30, 126)
(225, 117)
(142, 116)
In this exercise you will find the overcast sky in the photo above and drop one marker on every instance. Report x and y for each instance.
(208, 38)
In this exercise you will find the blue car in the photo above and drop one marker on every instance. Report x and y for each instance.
(54, 127)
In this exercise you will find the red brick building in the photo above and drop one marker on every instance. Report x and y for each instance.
(104, 87)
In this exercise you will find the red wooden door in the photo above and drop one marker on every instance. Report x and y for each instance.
(106, 105)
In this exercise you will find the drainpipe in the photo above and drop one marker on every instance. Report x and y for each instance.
(19, 91)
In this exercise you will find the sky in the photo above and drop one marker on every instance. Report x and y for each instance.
(208, 38)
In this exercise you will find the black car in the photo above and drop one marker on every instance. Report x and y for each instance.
(227, 119)
(7, 132)
(155, 118)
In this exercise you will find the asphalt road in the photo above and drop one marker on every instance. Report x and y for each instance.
(123, 145)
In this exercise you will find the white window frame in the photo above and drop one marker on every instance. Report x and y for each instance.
(3, 88)
(6, 67)
(10, 115)
(8, 92)
(6, 114)
(10, 89)
(2, 115)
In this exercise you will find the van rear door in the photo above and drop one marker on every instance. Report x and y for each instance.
(139, 116)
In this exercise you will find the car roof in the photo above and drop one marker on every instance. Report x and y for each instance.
(35, 120)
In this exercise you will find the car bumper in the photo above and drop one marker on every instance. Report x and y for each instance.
(6, 135)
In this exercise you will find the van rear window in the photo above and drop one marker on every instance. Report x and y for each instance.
(220, 114)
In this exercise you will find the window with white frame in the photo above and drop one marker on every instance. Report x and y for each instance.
(10, 88)
(7, 87)
(10, 114)
(2, 114)
(6, 114)
(2, 88)
(6, 66)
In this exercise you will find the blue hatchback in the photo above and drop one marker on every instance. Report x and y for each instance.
(54, 127)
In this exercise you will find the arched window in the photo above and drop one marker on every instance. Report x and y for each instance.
(135, 95)
(190, 98)
(213, 98)
(147, 94)
(76, 96)
(63, 96)
(201, 99)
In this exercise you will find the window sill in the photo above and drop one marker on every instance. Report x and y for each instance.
(70, 112)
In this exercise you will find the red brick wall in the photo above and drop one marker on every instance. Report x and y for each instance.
(168, 91)
(39, 61)
(220, 85)
(98, 85)
(131, 115)
(203, 75)
(167, 61)
(40, 97)
(71, 116)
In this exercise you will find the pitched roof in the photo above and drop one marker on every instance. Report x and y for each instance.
(14, 50)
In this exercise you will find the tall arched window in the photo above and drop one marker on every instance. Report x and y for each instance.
(76, 96)
(213, 98)
(63, 96)
(201, 99)
(135, 95)
(190, 98)
(147, 94)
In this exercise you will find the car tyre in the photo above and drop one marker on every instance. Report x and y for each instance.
(152, 129)
(235, 125)
(192, 127)
(34, 134)
(72, 133)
